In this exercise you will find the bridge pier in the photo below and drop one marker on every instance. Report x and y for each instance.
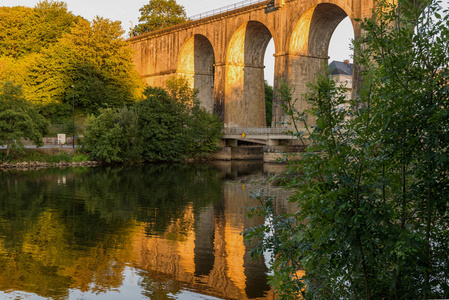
(219, 90)
(296, 71)
(245, 96)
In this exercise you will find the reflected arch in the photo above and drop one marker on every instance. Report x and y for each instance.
(244, 80)
(196, 64)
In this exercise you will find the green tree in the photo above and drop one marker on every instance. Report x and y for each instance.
(95, 59)
(113, 135)
(49, 22)
(174, 126)
(18, 119)
(158, 14)
(372, 191)
(268, 102)
(26, 30)
(171, 126)
(12, 32)
(47, 50)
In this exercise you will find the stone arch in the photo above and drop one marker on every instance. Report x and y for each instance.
(244, 86)
(196, 63)
(314, 29)
(308, 49)
(326, 18)
(299, 41)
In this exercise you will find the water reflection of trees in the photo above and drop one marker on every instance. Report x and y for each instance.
(77, 233)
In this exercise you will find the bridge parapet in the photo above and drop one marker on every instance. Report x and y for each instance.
(254, 130)
(225, 9)
(257, 135)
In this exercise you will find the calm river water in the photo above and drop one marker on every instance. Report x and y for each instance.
(139, 232)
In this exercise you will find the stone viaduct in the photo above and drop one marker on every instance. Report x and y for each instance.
(223, 55)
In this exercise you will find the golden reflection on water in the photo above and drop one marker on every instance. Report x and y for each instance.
(227, 274)
(202, 250)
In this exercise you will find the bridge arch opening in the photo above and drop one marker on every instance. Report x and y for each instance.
(308, 50)
(244, 86)
(196, 63)
(269, 62)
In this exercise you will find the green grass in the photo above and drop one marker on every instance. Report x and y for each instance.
(53, 156)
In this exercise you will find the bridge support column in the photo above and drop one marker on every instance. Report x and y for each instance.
(244, 96)
(219, 90)
(297, 71)
(272, 142)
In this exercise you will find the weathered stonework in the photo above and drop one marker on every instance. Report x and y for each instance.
(222, 56)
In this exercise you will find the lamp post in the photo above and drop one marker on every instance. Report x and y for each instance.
(73, 116)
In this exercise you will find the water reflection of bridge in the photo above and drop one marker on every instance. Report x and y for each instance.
(210, 256)
(65, 233)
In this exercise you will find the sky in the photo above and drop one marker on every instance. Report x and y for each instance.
(128, 12)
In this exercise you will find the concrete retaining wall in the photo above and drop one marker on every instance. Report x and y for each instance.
(269, 154)
(240, 153)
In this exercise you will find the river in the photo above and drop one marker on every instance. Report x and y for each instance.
(134, 232)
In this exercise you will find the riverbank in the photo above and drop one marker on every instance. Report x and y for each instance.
(45, 158)
(39, 158)
(35, 165)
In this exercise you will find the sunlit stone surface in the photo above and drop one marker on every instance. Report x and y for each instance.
(223, 55)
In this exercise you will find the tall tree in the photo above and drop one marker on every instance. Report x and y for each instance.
(268, 103)
(47, 50)
(158, 14)
(373, 191)
(95, 59)
(26, 30)
(18, 118)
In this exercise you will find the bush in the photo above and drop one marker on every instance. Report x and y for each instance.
(113, 135)
(19, 118)
(164, 126)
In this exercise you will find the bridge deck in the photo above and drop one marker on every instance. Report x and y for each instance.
(257, 135)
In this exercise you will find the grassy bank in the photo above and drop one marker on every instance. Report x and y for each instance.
(52, 155)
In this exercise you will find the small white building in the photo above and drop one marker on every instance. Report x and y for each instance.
(341, 72)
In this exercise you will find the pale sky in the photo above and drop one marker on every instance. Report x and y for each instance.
(128, 11)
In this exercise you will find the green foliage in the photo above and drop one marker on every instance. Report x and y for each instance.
(166, 126)
(158, 14)
(179, 90)
(268, 102)
(56, 158)
(18, 118)
(113, 135)
(372, 191)
(95, 60)
(25, 30)
(44, 155)
(56, 112)
(48, 50)
(163, 125)
(174, 126)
